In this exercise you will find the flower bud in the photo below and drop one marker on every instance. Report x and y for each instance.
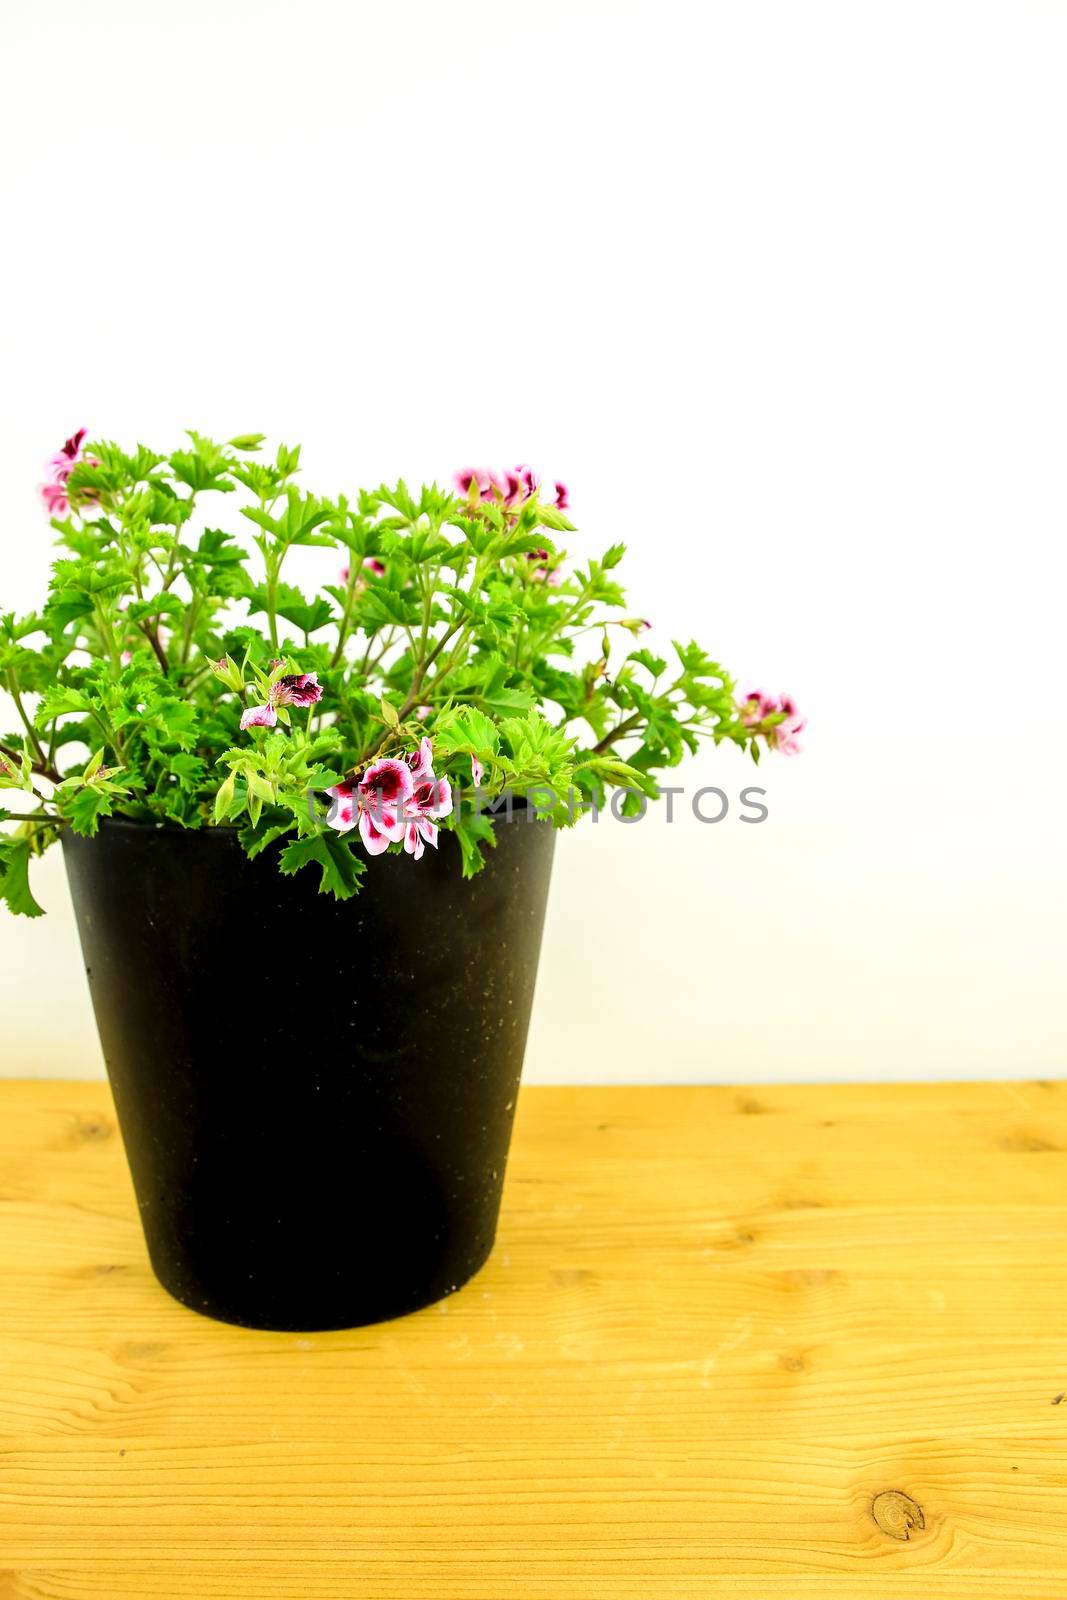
(228, 672)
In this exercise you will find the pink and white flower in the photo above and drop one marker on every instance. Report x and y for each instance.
(396, 799)
(293, 689)
(421, 762)
(486, 482)
(758, 706)
(432, 798)
(297, 689)
(59, 468)
(519, 484)
(513, 487)
(477, 772)
(259, 716)
(375, 802)
(55, 499)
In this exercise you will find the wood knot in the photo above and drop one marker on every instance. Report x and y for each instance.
(1022, 1144)
(897, 1514)
(92, 1129)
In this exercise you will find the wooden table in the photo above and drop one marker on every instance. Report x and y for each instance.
(759, 1342)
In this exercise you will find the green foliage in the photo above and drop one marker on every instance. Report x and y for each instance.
(340, 869)
(166, 620)
(14, 877)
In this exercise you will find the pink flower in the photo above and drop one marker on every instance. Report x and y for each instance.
(259, 716)
(422, 712)
(477, 772)
(487, 482)
(396, 799)
(345, 808)
(59, 468)
(54, 496)
(294, 689)
(60, 465)
(377, 800)
(519, 484)
(421, 762)
(432, 798)
(297, 689)
(758, 705)
(552, 576)
(514, 487)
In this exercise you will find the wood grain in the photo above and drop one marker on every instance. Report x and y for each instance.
(766, 1342)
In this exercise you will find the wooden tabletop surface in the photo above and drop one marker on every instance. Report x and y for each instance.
(758, 1342)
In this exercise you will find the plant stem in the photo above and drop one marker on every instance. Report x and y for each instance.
(624, 727)
(153, 638)
(43, 767)
(342, 626)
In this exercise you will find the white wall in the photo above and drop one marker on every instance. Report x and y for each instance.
(778, 288)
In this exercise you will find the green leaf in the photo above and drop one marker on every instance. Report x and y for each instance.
(653, 664)
(203, 467)
(475, 833)
(15, 878)
(58, 701)
(254, 841)
(466, 731)
(341, 870)
(85, 807)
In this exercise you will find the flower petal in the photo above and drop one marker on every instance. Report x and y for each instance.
(420, 762)
(374, 841)
(297, 689)
(390, 780)
(441, 799)
(259, 717)
(342, 813)
(55, 498)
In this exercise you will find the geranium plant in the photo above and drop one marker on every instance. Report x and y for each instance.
(175, 675)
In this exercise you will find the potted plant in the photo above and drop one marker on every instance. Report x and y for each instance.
(309, 837)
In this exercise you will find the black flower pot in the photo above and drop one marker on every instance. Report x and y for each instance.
(316, 1097)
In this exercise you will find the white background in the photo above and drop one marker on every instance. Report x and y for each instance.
(779, 290)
